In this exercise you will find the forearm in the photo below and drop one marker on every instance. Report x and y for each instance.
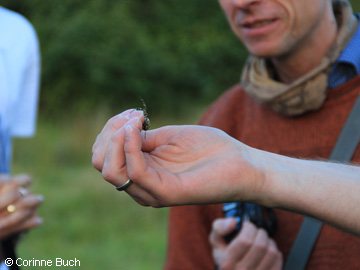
(325, 190)
(178, 165)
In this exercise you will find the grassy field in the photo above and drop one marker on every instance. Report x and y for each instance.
(356, 5)
(84, 217)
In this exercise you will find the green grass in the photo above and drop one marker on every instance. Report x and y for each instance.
(356, 5)
(84, 217)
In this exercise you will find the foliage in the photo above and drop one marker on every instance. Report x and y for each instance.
(109, 53)
(103, 52)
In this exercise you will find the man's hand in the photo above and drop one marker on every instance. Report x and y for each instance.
(182, 165)
(17, 205)
(250, 249)
(174, 165)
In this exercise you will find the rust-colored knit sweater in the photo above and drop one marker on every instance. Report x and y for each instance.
(310, 136)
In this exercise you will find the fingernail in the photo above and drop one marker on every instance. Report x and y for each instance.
(133, 121)
(41, 198)
(128, 129)
(39, 221)
(4, 176)
(139, 113)
(228, 222)
(124, 114)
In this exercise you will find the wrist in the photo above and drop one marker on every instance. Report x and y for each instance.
(252, 175)
(272, 177)
(290, 183)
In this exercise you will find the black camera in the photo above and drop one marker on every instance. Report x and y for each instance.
(262, 217)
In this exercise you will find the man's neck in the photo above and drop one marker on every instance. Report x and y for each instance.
(308, 54)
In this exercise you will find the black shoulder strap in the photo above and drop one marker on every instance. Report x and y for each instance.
(310, 228)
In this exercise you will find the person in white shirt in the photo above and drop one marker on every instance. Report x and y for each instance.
(19, 91)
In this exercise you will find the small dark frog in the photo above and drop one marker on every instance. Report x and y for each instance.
(146, 123)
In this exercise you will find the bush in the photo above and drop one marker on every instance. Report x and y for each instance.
(103, 52)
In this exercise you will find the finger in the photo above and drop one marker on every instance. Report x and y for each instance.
(148, 174)
(15, 218)
(145, 177)
(139, 195)
(23, 209)
(278, 265)
(23, 180)
(31, 222)
(273, 259)
(9, 197)
(135, 161)
(4, 177)
(114, 168)
(114, 164)
(112, 125)
(14, 182)
(137, 168)
(242, 243)
(100, 146)
(257, 251)
(30, 202)
(220, 228)
(158, 137)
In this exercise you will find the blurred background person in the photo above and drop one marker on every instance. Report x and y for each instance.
(19, 90)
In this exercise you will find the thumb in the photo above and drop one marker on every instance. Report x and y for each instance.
(220, 228)
(135, 162)
(224, 226)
